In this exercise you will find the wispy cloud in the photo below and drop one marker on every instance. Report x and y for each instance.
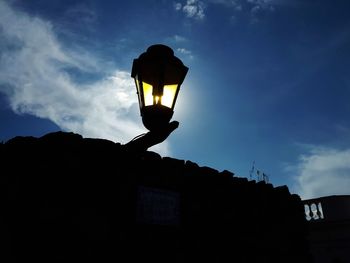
(81, 13)
(259, 6)
(253, 8)
(178, 38)
(322, 172)
(185, 51)
(263, 4)
(192, 9)
(36, 75)
(229, 3)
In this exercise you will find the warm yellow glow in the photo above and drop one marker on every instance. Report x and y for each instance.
(157, 98)
(147, 93)
(169, 95)
(166, 100)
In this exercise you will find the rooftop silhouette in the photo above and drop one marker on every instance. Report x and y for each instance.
(69, 198)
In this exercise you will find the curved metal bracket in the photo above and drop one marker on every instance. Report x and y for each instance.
(151, 138)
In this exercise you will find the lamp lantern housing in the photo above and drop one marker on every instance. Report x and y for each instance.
(158, 76)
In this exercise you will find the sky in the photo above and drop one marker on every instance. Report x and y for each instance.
(268, 81)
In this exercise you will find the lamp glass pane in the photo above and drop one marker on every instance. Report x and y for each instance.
(147, 93)
(169, 93)
(138, 91)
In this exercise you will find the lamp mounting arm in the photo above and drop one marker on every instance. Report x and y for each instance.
(151, 138)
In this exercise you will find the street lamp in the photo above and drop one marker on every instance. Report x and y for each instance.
(158, 76)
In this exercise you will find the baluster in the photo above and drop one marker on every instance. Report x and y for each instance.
(320, 211)
(314, 211)
(307, 210)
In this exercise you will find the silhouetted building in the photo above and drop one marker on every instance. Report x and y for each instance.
(329, 228)
(68, 198)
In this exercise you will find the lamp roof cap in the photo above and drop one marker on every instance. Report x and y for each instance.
(160, 50)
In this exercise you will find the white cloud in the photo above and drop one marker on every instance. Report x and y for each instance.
(178, 38)
(192, 9)
(177, 6)
(35, 76)
(322, 172)
(186, 52)
(261, 5)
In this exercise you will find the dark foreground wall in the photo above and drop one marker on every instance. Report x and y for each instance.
(69, 199)
(329, 228)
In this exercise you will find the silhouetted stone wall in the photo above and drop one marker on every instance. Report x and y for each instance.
(329, 228)
(68, 198)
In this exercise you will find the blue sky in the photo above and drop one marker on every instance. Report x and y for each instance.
(268, 80)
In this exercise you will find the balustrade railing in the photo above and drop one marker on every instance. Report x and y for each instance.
(313, 210)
